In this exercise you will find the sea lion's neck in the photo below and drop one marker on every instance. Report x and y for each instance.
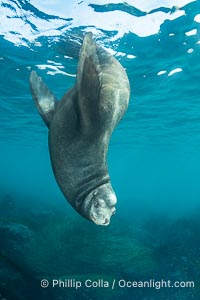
(88, 185)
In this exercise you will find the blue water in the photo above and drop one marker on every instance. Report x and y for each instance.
(153, 158)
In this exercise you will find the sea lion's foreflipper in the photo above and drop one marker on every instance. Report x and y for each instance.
(102, 88)
(44, 99)
(88, 82)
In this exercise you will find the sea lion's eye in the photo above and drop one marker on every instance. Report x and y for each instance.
(96, 204)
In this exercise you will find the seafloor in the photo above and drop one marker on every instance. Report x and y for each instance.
(44, 244)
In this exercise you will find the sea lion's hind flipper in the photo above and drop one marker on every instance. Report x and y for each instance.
(88, 83)
(44, 99)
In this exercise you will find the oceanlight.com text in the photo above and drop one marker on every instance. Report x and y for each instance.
(72, 283)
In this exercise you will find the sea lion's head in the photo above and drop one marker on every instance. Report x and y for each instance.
(99, 205)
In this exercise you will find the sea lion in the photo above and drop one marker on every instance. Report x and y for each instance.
(80, 127)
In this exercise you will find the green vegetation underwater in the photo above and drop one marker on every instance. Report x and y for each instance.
(153, 158)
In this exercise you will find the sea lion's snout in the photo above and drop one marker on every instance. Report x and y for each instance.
(100, 204)
(101, 216)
